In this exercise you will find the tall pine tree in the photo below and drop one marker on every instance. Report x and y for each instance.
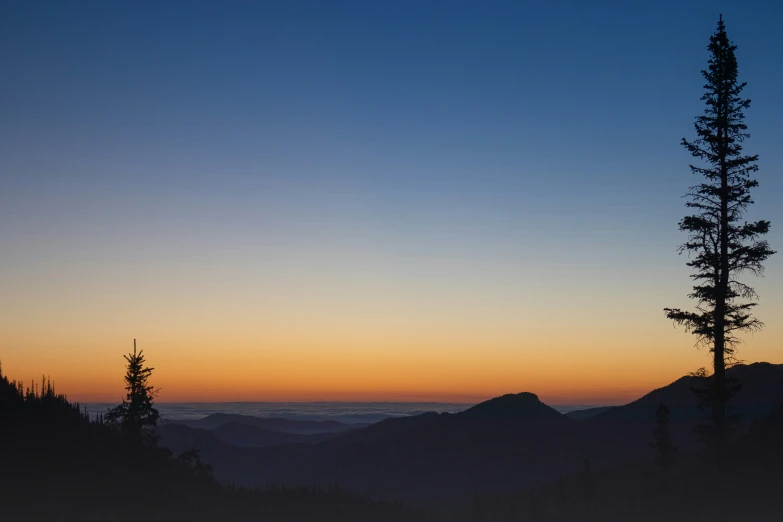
(721, 244)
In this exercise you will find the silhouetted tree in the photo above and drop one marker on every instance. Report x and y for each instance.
(192, 460)
(662, 442)
(477, 509)
(533, 512)
(562, 499)
(722, 244)
(588, 492)
(136, 415)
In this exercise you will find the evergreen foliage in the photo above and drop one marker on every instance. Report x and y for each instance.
(662, 442)
(137, 415)
(721, 244)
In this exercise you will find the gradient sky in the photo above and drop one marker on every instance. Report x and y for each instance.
(400, 200)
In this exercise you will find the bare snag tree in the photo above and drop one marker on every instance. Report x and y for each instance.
(722, 246)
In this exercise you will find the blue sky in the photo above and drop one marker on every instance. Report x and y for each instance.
(468, 148)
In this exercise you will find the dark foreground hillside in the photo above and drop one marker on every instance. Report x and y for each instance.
(621, 433)
(57, 465)
(688, 490)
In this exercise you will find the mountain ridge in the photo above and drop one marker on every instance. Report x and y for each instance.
(301, 427)
(510, 441)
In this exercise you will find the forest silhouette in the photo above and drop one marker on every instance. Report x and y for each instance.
(708, 446)
(59, 464)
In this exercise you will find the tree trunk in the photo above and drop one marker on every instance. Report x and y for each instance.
(719, 367)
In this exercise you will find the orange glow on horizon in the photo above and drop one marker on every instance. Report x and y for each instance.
(465, 373)
(378, 343)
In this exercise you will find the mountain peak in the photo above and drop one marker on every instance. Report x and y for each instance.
(512, 406)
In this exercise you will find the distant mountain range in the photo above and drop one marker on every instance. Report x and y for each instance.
(505, 443)
(589, 413)
(302, 427)
(245, 431)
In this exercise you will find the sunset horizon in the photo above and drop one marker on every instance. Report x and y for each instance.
(287, 236)
(455, 384)
(391, 261)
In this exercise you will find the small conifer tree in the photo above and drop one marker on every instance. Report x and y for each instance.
(137, 415)
(662, 442)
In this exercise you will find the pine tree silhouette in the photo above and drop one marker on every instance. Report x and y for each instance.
(137, 415)
(662, 442)
(722, 244)
(588, 493)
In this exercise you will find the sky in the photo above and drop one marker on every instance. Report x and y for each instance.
(402, 200)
